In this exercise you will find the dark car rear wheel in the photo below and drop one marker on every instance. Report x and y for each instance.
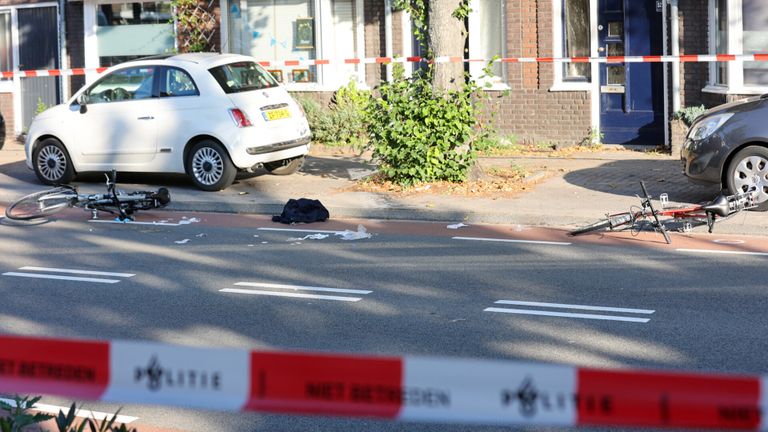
(747, 171)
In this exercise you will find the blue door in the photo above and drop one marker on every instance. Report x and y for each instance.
(631, 94)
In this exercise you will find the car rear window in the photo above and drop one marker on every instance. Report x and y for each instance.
(242, 76)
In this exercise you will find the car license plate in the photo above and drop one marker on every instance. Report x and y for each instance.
(276, 114)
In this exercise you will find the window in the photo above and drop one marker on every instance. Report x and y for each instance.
(755, 36)
(721, 40)
(575, 38)
(572, 36)
(300, 30)
(176, 82)
(487, 40)
(125, 84)
(739, 26)
(126, 31)
(6, 47)
(283, 30)
(242, 77)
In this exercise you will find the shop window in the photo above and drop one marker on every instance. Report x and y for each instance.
(126, 31)
(283, 30)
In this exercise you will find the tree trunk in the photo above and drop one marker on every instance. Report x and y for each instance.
(445, 37)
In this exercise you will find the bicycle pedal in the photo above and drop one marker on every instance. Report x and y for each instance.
(688, 227)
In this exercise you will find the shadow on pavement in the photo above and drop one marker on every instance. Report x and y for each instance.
(622, 177)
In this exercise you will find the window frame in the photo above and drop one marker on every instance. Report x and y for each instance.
(559, 83)
(476, 33)
(735, 69)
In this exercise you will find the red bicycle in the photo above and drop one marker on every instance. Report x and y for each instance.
(723, 206)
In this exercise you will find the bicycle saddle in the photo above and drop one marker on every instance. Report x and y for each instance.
(718, 206)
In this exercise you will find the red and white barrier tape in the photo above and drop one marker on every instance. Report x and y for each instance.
(398, 388)
(691, 58)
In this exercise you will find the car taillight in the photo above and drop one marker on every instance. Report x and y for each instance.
(239, 118)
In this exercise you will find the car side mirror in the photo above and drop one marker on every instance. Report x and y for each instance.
(82, 100)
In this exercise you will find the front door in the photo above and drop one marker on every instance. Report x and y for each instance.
(631, 94)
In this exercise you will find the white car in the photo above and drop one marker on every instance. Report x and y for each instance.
(207, 115)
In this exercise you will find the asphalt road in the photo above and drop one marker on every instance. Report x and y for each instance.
(430, 293)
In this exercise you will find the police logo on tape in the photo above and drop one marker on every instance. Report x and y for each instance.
(158, 376)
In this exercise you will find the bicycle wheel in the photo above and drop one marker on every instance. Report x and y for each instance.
(40, 204)
(597, 226)
(610, 222)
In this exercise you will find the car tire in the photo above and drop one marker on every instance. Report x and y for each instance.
(749, 169)
(209, 166)
(285, 166)
(52, 163)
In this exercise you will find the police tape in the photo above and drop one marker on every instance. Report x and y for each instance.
(687, 58)
(426, 389)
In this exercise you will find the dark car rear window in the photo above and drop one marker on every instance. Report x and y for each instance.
(242, 77)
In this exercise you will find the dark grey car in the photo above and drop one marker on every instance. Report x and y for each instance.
(728, 145)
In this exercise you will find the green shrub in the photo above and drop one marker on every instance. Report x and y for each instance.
(689, 114)
(342, 121)
(422, 134)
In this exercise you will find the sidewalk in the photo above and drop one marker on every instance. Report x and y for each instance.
(565, 191)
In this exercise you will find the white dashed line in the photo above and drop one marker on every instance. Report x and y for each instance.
(569, 306)
(723, 252)
(541, 242)
(302, 288)
(293, 295)
(296, 294)
(49, 270)
(567, 315)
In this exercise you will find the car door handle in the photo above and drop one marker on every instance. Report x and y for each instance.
(146, 118)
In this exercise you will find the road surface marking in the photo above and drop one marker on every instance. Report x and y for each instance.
(514, 241)
(69, 278)
(70, 271)
(567, 315)
(53, 409)
(733, 242)
(67, 271)
(299, 230)
(723, 252)
(569, 306)
(182, 222)
(294, 295)
(302, 288)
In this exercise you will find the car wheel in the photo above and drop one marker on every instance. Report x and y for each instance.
(285, 166)
(747, 171)
(209, 166)
(52, 163)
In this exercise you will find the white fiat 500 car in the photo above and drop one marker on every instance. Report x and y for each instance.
(207, 115)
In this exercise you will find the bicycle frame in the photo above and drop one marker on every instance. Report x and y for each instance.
(722, 206)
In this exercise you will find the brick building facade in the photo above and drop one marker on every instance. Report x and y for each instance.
(542, 103)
